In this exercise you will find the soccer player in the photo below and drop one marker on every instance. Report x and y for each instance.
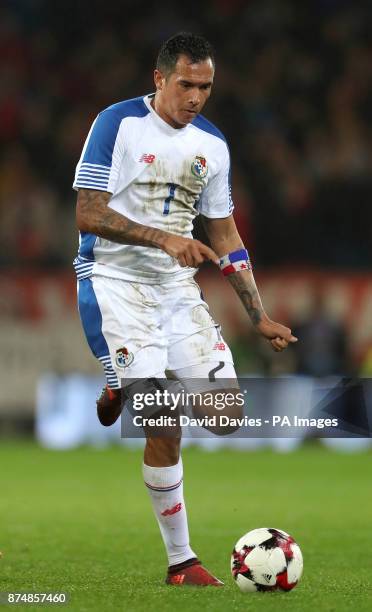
(148, 167)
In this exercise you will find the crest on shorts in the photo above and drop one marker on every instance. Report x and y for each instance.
(199, 167)
(123, 357)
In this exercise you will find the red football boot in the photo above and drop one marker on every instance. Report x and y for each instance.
(109, 406)
(191, 572)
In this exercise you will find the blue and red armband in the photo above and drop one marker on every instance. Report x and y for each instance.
(237, 261)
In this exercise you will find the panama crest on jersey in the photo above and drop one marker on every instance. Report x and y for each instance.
(199, 167)
(123, 357)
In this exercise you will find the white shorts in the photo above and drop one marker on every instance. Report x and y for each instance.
(142, 331)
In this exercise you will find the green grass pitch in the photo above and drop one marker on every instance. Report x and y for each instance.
(81, 522)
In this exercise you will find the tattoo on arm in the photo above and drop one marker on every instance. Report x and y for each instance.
(245, 287)
(225, 238)
(94, 215)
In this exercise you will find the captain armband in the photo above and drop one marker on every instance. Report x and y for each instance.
(237, 261)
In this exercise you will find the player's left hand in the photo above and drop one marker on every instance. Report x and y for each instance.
(278, 335)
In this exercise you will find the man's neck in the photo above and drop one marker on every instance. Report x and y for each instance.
(157, 106)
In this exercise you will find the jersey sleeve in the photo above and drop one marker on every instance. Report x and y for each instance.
(101, 158)
(216, 200)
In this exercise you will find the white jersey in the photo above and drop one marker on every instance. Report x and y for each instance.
(159, 176)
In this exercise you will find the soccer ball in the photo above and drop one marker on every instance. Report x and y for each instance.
(266, 559)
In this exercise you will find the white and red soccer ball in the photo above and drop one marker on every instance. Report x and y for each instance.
(266, 559)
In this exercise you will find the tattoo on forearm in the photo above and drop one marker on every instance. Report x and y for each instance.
(108, 224)
(246, 289)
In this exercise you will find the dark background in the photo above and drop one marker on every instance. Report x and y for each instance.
(293, 95)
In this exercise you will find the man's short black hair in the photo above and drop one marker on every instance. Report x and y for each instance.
(195, 47)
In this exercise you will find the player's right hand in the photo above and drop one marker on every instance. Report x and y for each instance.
(189, 252)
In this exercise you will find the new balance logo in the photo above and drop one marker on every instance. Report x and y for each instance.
(219, 346)
(178, 579)
(174, 510)
(148, 158)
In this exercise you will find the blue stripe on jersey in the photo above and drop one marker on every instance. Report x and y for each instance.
(95, 167)
(203, 124)
(87, 243)
(103, 137)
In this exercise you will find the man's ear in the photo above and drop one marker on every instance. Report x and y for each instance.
(159, 79)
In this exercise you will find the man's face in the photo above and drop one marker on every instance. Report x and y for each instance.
(181, 95)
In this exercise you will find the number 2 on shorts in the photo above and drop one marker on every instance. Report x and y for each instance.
(167, 201)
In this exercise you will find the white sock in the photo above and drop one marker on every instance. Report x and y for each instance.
(166, 491)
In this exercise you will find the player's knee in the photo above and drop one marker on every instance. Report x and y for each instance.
(224, 413)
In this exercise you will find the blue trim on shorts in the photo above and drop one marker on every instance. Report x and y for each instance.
(91, 318)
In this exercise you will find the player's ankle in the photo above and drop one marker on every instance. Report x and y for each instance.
(174, 569)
